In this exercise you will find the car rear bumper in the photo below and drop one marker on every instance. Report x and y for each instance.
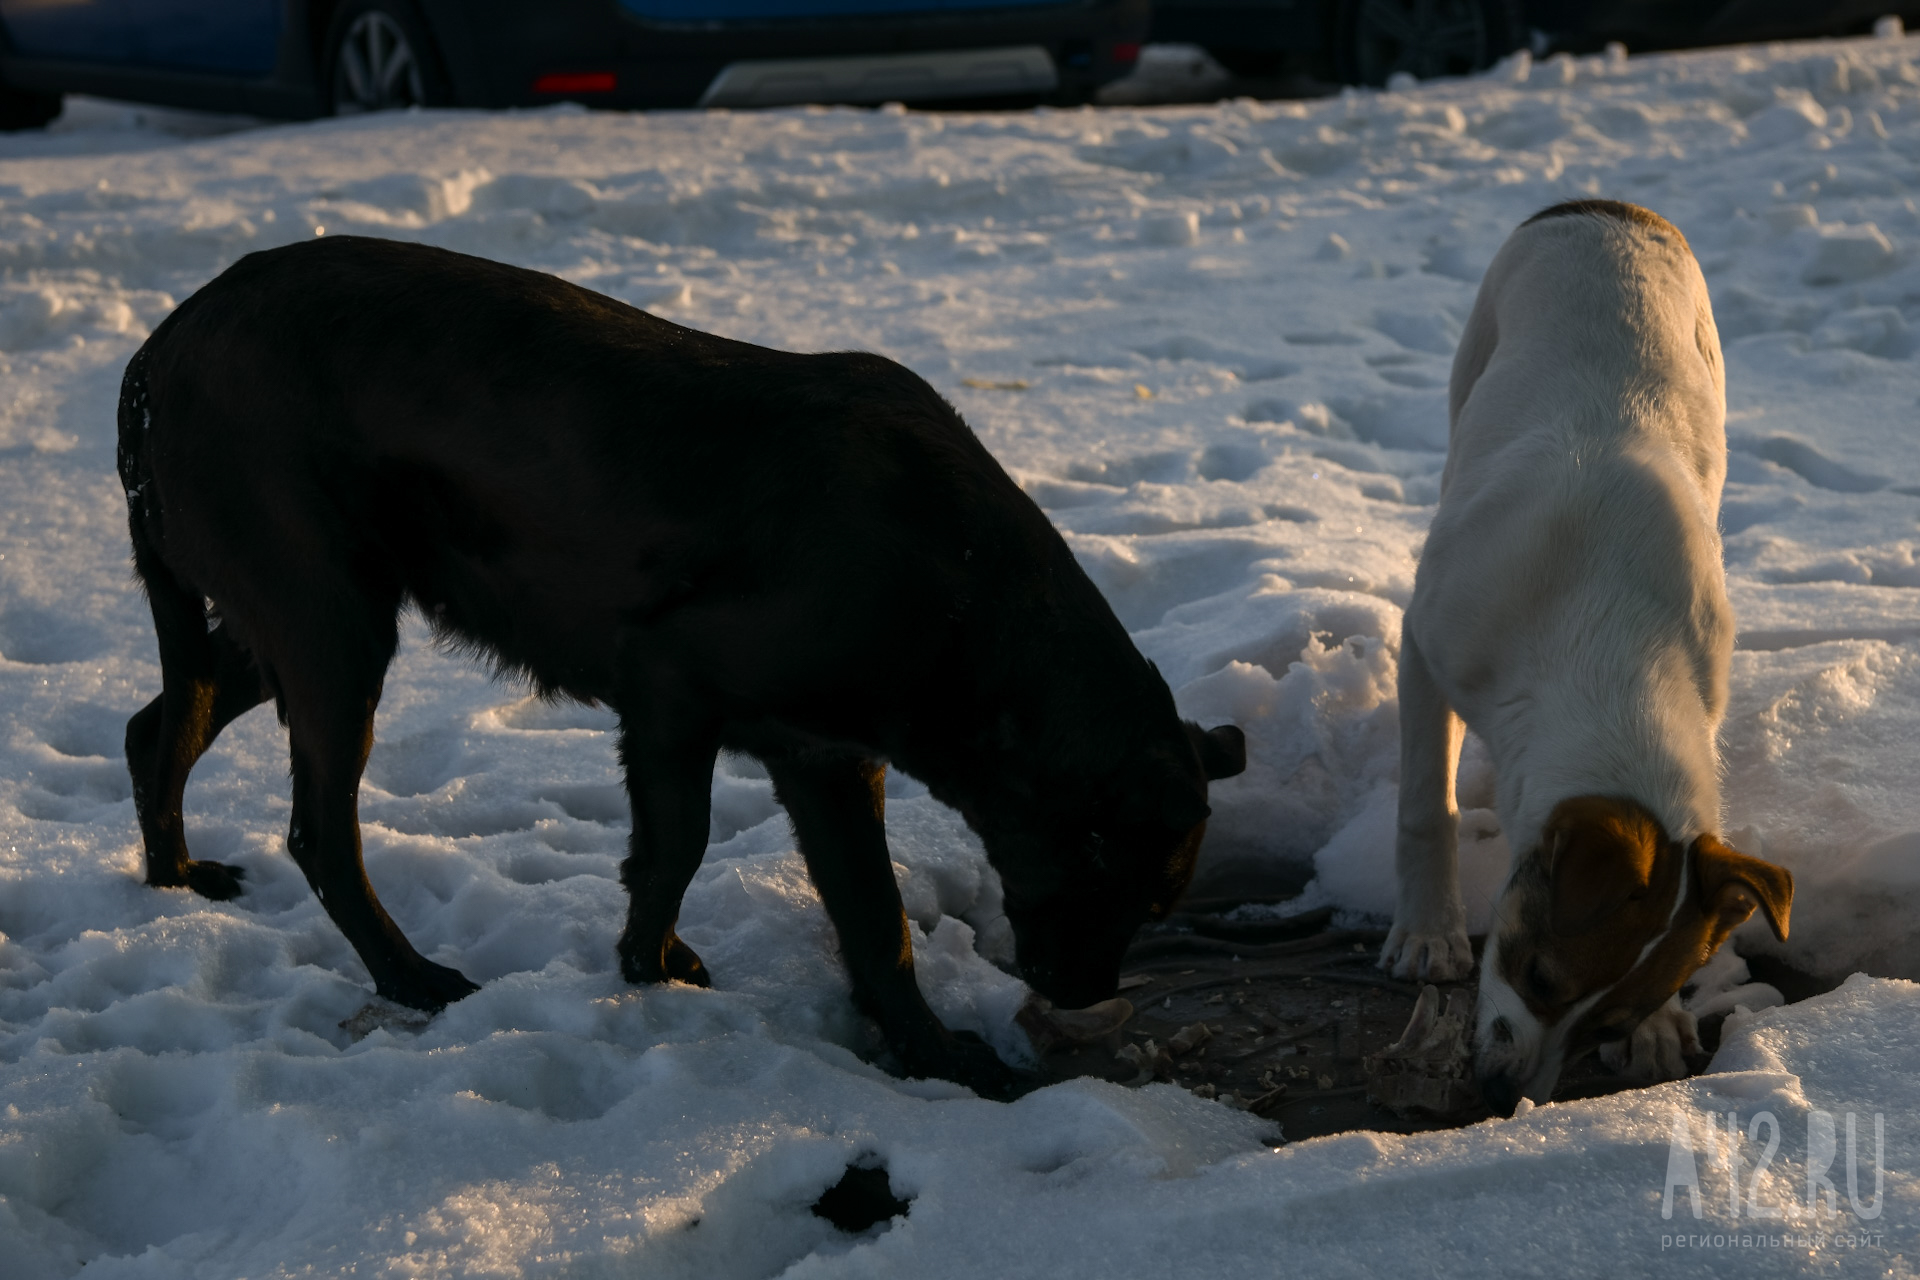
(884, 77)
(496, 50)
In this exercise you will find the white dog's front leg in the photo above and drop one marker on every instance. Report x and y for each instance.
(1658, 1047)
(1429, 937)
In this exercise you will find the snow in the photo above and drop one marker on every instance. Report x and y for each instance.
(1213, 344)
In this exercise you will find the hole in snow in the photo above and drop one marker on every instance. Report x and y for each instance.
(863, 1198)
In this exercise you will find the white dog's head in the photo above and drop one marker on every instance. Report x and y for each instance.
(1601, 922)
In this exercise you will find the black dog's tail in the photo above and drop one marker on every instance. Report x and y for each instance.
(136, 470)
(164, 588)
(136, 478)
(136, 417)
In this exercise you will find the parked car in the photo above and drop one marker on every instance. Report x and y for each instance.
(301, 58)
(1365, 41)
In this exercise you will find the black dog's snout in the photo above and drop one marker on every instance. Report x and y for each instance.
(1068, 990)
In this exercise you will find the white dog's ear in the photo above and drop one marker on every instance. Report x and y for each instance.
(1733, 884)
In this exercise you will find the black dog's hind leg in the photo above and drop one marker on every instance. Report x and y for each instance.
(838, 808)
(668, 758)
(330, 696)
(207, 681)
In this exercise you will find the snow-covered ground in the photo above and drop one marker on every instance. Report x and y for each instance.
(1212, 343)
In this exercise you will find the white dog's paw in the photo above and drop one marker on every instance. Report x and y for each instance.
(1658, 1047)
(1427, 954)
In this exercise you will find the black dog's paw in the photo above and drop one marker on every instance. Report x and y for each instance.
(676, 962)
(430, 987)
(684, 964)
(219, 881)
(965, 1058)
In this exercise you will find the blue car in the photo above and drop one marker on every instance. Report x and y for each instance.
(303, 58)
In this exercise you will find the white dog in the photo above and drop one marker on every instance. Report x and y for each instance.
(1571, 607)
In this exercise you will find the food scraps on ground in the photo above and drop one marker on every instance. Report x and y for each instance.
(1429, 1068)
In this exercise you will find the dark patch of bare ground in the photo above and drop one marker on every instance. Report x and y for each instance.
(1291, 1008)
(862, 1199)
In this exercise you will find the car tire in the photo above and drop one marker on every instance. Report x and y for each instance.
(1424, 38)
(380, 57)
(22, 109)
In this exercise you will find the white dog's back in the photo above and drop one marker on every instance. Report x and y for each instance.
(1571, 599)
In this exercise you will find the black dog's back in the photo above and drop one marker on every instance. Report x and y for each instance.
(592, 475)
(806, 557)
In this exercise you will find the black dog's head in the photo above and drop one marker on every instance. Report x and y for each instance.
(1083, 880)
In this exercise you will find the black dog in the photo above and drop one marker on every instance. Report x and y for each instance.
(808, 558)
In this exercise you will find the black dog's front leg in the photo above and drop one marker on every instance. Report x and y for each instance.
(838, 807)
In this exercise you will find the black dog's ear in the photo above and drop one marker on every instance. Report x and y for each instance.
(1222, 750)
(1183, 811)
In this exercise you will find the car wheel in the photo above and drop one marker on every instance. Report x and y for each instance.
(1424, 38)
(20, 109)
(380, 58)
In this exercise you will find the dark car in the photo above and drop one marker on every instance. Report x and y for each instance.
(1365, 41)
(301, 58)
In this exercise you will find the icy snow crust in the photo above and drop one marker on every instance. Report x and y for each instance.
(1213, 344)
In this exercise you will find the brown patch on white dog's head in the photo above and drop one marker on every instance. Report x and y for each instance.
(1582, 905)
(1724, 886)
(1600, 925)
